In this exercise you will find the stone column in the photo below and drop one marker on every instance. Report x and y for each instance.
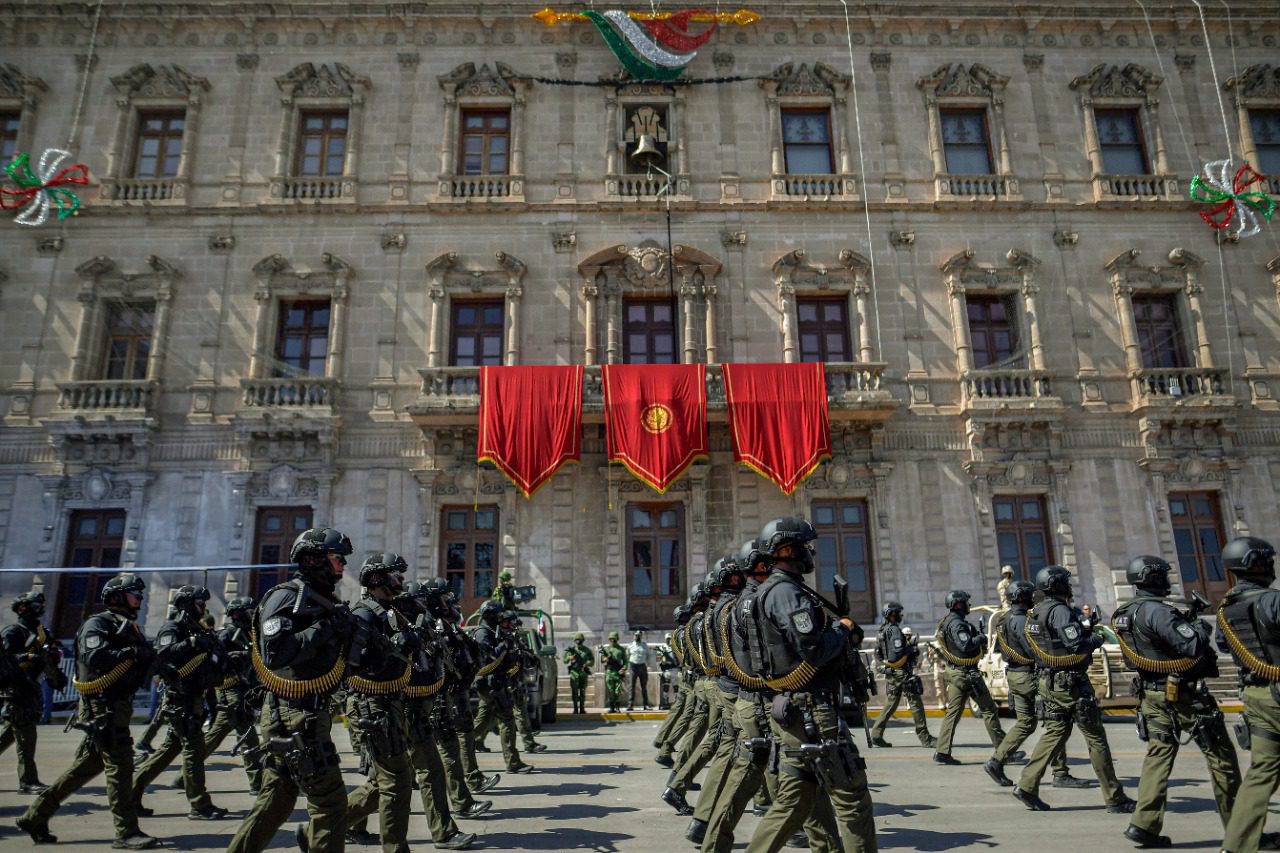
(960, 324)
(677, 123)
(284, 140)
(787, 305)
(89, 312)
(160, 334)
(843, 156)
(611, 152)
(936, 148)
(709, 292)
(337, 328)
(434, 329)
(261, 328)
(1194, 289)
(516, 166)
(862, 290)
(448, 146)
(1002, 137)
(191, 128)
(512, 356)
(1029, 291)
(1128, 331)
(591, 350)
(777, 159)
(1157, 135)
(1092, 145)
(355, 120)
(612, 349)
(687, 292)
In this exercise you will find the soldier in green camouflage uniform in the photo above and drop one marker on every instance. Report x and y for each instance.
(614, 658)
(579, 659)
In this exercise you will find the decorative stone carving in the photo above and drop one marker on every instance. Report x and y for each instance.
(49, 245)
(802, 80)
(468, 81)
(15, 84)
(394, 241)
(158, 81)
(794, 269)
(961, 270)
(564, 241)
(955, 80)
(330, 80)
(1111, 81)
(222, 243)
(447, 272)
(1260, 82)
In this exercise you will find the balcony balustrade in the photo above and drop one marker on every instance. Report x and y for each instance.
(303, 393)
(106, 396)
(1176, 383)
(1006, 385)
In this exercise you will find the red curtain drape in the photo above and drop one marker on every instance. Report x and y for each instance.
(778, 419)
(530, 421)
(656, 419)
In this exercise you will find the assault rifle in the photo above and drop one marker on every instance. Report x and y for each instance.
(856, 679)
(1196, 606)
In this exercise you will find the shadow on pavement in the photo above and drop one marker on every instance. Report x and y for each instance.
(564, 811)
(564, 789)
(923, 839)
(558, 839)
(895, 810)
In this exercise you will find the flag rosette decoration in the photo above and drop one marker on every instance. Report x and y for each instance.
(1231, 198)
(45, 188)
(653, 46)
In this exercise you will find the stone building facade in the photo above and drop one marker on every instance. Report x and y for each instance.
(307, 222)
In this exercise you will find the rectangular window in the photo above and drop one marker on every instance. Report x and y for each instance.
(806, 142)
(966, 142)
(158, 145)
(1022, 534)
(824, 328)
(274, 532)
(129, 330)
(1123, 149)
(8, 137)
(1159, 331)
(322, 144)
(1198, 538)
(469, 552)
(993, 332)
(302, 344)
(655, 562)
(475, 335)
(1265, 125)
(486, 138)
(95, 538)
(844, 548)
(648, 331)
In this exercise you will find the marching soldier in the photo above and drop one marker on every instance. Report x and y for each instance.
(493, 684)
(189, 659)
(1064, 650)
(32, 656)
(899, 658)
(681, 714)
(298, 636)
(614, 658)
(1173, 654)
(453, 713)
(1249, 628)
(1020, 673)
(579, 659)
(522, 659)
(802, 653)
(962, 646)
(112, 661)
(699, 750)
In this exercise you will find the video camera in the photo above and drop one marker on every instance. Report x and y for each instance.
(521, 594)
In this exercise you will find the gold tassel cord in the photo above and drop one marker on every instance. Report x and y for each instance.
(488, 668)
(947, 654)
(297, 689)
(98, 685)
(1252, 662)
(750, 682)
(1010, 653)
(1062, 661)
(381, 688)
(422, 691)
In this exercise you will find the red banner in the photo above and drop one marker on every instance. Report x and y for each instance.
(530, 421)
(778, 419)
(656, 419)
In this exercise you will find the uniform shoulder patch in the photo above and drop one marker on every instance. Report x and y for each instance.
(1186, 631)
(165, 639)
(273, 626)
(803, 621)
(897, 642)
(963, 634)
(1071, 632)
(92, 641)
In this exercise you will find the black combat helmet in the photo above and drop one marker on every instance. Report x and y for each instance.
(1020, 592)
(491, 613)
(187, 598)
(1054, 580)
(890, 608)
(728, 575)
(752, 559)
(382, 569)
(958, 600)
(241, 603)
(30, 602)
(116, 590)
(1252, 557)
(311, 552)
(1149, 573)
(795, 532)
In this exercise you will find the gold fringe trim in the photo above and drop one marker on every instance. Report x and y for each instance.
(1052, 660)
(381, 688)
(1251, 662)
(98, 685)
(422, 691)
(750, 682)
(297, 689)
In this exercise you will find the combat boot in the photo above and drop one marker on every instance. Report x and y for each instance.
(676, 800)
(1030, 800)
(1068, 781)
(696, 831)
(880, 741)
(38, 830)
(477, 808)
(996, 771)
(137, 841)
(1146, 839)
(356, 835)
(209, 812)
(664, 761)
(489, 783)
(458, 841)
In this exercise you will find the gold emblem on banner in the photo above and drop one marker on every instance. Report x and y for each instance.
(656, 418)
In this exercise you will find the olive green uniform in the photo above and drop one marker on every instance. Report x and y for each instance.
(961, 645)
(1020, 674)
(579, 660)
(899, 658)
(614, 659)
(494, 686)
(33, 657)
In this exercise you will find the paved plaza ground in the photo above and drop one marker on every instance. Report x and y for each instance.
(597, 789)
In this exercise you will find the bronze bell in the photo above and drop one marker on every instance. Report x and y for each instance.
(647, 153)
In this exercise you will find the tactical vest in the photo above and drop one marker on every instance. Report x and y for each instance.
(319, 671)
(950, 655)
(784, 668)
(381, 672)
(1010, 642)
(1142, 653)
(492, 651)
(697, 644)
(122, 679)
(193, 674)
(1047, 646)
(1252, 644)
(737, 657)
(884, 642)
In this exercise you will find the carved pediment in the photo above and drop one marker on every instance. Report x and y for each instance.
(468, 81)
(15, 84)
(1127, 273)
(1261, 82)
(646, 267)
(821, 79)
(159, 81)
(101, 270)
(448, 272)
(794, 269)
(964, 272)
(1111, 81)
(330, 80)
(955, 80)
(276, 272)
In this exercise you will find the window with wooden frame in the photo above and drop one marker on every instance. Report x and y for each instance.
(302, 339)
(95, 537)
(1022, 534)
(1196, 518)
(648, 330)
(130, 330)
(993, 332)
(966, 141)
(274, 531)
(656, 562)
(1160, 341)
(1120, 138)
(1264, 125)
(806, 141)
(322, 144)
(158, 144)
(476, 332)
(823, 324)
(485, 143)
(469, 552)
(9, 124)
(844, 548)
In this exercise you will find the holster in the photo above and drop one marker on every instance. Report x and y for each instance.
(913, 686)
(379, 735)
(305, 763)
(1087, 710)
(833, 763)
(421, 722)
(1143, 734)
(755, 751)
(1244, 733)
(782, 710)
(1210, 731)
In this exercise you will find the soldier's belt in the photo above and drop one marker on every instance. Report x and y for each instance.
(1251, 662)
(1164, 667)
(751, 682)
(1053, 660)
(422, 691)
(381, 688)
(794, 680)
(184, 671)
(99, 685)
(488, 668)
(1009, 652)
(290, 688)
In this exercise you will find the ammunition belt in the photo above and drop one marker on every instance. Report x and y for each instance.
(712, 662)
(1062, 661)
(1010, 652)
(513, 669)
(422, 691)
(229, 682)
(289, 688)
(899, 664)
(192, 665)
(1252, 662)
(1164, 667)
(794, 680)
(947, 654)
(99, 685)
(488, 668)
(677, 648)
(750, 682)
(381, 688)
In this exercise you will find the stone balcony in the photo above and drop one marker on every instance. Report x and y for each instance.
(1182, 387)
(310, 394)
(975, 188)
(481, 188)
(1009, 395)
(814, 188)
(103, 409)
(451, 395)
(1129, 188)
